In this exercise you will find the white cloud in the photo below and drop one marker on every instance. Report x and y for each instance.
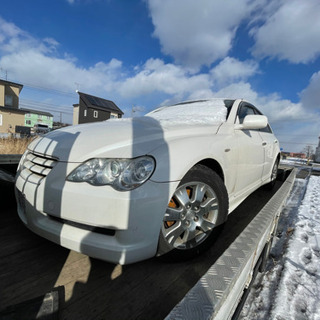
(291, 32)
(8, 29)
(32, 66)
(156, 76)
(230, 70)
(199, 32)
(310, 96)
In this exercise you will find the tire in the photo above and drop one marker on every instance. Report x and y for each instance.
(274, 174)
(265, 255)
(195, 215)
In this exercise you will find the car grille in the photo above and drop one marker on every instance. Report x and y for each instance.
(39, 166)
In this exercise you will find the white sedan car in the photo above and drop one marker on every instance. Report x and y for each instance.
(125, 190)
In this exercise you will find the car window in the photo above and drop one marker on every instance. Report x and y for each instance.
(266, 129)
(228, 103)
(244, 111)
(206, 112)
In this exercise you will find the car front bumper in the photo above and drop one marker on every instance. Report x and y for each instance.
(74, 214)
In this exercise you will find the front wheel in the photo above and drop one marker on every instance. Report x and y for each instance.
(194, 216)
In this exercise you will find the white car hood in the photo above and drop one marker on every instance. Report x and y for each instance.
(119, 138)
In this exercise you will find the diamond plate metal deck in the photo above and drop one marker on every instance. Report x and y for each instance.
(217, 293)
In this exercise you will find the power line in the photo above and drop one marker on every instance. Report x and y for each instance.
(50, 90)
(35, 107)
(296, 135)
(40, 103)
(305, 143)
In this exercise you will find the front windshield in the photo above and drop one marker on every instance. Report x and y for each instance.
(194, 112)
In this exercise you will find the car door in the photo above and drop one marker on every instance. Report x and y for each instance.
(251, 154)
(271, 146)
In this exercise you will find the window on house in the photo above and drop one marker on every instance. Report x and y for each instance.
(28, 121)
(8, 100)
(113, 116)
(85, 113)
(95, 114)
(28, 115)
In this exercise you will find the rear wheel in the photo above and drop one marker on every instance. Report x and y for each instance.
(194, 216)
(274, 174)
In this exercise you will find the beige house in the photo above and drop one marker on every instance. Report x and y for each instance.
(10, 118)
(10, 114)
(9, 94)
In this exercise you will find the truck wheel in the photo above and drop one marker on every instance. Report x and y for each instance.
(194, 216)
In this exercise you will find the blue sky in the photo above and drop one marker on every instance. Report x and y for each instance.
(146, 53)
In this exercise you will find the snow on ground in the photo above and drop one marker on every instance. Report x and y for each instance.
(290, 288)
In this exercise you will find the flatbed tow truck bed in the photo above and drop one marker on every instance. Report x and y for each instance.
(207, 287)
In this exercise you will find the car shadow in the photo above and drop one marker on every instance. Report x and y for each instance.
(106, 280)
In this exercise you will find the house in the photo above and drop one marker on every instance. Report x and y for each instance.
(12, 117)
(10, 114)
(299, 155)
(35, 117)
(93, 109)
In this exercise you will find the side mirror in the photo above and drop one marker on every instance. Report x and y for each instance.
(251, 122)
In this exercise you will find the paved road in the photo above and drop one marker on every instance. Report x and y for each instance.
(31, 266)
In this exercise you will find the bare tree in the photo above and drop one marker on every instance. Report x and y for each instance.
(309, 151)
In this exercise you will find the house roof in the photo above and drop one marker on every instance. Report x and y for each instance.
(14, 110)
(44, 113)
(9, 83)
(99, 103)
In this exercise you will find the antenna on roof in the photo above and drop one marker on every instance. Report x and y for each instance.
(6, 73)
(78, 86)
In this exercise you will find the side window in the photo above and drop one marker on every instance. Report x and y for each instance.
(266, 129)
(244, 111)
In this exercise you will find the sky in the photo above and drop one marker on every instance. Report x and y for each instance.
(145, 53)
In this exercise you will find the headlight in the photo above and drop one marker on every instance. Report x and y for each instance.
(121, 174)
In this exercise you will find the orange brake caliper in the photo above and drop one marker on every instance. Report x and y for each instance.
(172, 204)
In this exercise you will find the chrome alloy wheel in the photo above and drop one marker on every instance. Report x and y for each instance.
(190, 216)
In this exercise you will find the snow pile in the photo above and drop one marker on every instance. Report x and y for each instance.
(299, 290)
(290, 289)
(201, 112)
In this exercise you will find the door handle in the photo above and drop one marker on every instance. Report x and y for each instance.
(264, 143)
